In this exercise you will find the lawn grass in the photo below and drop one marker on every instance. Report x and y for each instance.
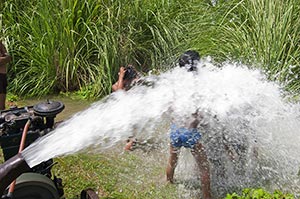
(114, 175)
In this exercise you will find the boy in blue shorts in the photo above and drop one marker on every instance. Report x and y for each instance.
(187, 135)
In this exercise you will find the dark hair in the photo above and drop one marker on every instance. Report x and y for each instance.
(189, 58)
(130, 73)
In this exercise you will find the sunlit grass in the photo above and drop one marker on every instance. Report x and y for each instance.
(79, 45)
(265, 33)
(113, 176)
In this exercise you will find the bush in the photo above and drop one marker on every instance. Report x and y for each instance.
(259, 194)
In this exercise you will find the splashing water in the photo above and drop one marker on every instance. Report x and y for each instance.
(251, 133)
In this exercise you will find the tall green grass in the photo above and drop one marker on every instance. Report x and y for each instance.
(74, 45)
(266, 33)
(79, 45)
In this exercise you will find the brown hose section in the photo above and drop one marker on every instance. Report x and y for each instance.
(11, 169)
(22, 145)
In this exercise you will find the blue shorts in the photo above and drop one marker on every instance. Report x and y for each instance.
(184, 137)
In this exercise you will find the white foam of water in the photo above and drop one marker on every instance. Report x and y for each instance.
(240, 104)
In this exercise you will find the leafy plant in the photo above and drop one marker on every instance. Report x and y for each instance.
(259, 194)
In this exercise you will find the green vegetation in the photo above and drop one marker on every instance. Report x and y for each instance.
(67, 46)
(259, 194)
(265, 32)
(113, 176)
(79, 45)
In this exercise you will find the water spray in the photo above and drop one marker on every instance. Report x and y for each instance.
(240, 107)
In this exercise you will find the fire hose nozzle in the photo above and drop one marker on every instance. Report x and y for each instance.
(11, 169)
